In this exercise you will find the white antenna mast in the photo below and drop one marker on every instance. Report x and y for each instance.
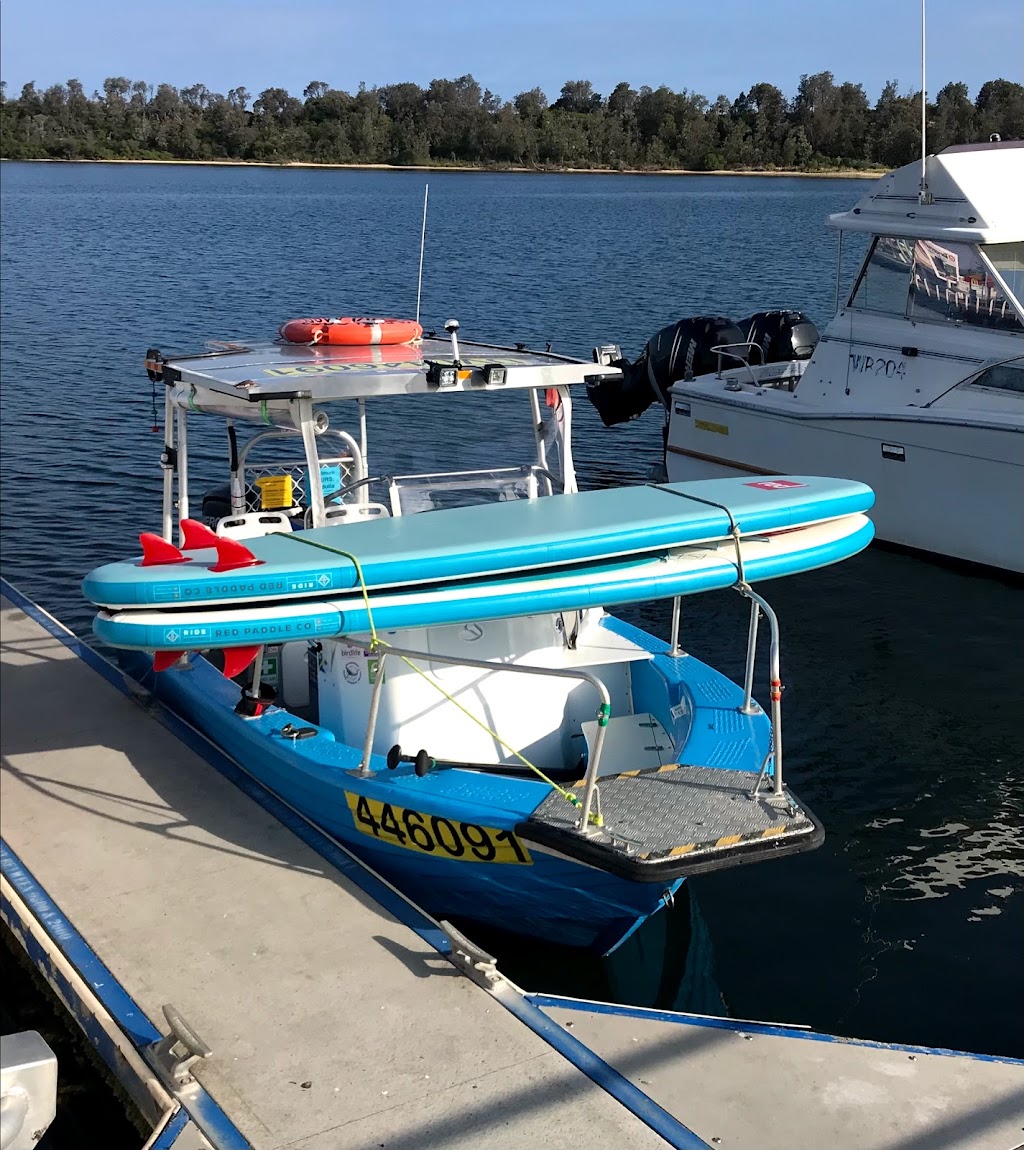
(423, 238)
(924, 196)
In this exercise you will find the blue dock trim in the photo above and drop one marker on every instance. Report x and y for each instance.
(739, 1026)
(525, 1008)
(124, 1010)
(528, 1010)
(168, 1137)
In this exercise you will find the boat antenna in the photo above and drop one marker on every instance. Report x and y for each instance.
(924, 196)
(423, 238)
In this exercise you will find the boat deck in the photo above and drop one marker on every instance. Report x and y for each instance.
(142, 866)
(678, 819)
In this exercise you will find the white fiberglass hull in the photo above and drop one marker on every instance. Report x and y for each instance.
(942, 487)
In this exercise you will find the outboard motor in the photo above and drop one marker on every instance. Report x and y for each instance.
(216, 503)
(680, 351)
(781, 336)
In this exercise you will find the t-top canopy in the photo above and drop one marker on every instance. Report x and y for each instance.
(282, 371)
(977, 193)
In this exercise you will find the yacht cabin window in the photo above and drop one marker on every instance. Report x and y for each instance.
(925, 280)
(884, 280)
(1008, 260)
(1002, 377)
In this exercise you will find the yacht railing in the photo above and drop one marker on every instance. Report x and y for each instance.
(748, 706)
(776, 381)
(723, 349)
(604, 711)
(758, 605)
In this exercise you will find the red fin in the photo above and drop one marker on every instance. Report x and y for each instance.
(231, 555)
(164, 659)
(236, 659)
(197, 535)
(156, 551)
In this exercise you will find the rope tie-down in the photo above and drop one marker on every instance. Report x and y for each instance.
(379, 644)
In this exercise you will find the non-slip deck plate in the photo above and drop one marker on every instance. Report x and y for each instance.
(677, 820)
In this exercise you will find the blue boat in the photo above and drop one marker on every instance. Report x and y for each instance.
(422, 664)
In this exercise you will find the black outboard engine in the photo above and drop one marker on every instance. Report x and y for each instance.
(781, 336)
(680, 351)
(217, 503)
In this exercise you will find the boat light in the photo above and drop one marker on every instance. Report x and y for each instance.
(494, 374)
(442, 374)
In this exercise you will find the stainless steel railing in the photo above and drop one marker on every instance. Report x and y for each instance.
(583, 823)
(748, 706)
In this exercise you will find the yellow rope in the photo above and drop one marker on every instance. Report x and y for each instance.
(359, 575)
(376, 641)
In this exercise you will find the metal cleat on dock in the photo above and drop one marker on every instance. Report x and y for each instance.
(175, 1053)
(471, 959)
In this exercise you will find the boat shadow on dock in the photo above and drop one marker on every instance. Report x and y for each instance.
(169, 808)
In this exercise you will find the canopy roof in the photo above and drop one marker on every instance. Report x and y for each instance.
(284, 371)
(977, 192)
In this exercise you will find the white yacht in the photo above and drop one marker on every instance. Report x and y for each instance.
(916, 386)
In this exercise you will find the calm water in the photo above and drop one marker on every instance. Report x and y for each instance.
(903, 702)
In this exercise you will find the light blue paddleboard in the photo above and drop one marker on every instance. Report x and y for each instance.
(491, 539)
(686, 571)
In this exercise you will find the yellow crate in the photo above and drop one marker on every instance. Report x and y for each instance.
(275, 492)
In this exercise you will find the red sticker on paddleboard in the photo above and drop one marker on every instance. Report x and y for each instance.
(774, 484)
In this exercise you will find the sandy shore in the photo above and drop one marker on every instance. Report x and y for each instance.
(837, 174)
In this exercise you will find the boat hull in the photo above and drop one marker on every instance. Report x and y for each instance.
(550, 896)
(940, 487)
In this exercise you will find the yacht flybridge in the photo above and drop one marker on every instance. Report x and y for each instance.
(421, 661)
(916, 386)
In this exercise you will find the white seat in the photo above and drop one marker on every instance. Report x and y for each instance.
(631, 742)
(253, 524)
(350, 512)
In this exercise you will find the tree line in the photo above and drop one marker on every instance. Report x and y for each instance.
(825, 125)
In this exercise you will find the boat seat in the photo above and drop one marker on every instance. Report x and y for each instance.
(632, 743)
(253, 524)
(351, 512)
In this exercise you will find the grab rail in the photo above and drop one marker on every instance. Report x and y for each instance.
(725, 349)
(758, 604)
(604, 713)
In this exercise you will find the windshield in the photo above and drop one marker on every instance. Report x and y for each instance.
(946, 282)
(1008, 261)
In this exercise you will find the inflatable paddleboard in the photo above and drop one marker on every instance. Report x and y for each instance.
(481, 540)
(683, 571)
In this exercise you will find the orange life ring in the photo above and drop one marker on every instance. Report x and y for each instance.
(350, 331)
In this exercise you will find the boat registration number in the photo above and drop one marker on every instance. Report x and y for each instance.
(433, 834)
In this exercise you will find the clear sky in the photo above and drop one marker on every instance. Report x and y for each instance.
(711, 46)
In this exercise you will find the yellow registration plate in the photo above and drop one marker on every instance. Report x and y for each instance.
(434, 835)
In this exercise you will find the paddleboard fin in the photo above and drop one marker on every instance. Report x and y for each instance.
(156, 551)
(164, 659)
(197, 535)
(232, 555)
(236, 659)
